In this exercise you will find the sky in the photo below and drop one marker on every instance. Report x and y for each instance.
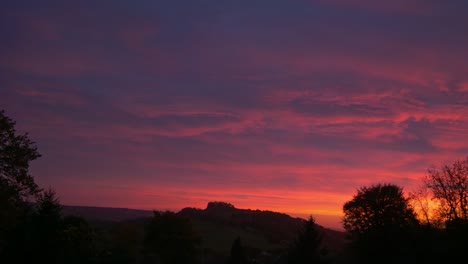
(287, 106)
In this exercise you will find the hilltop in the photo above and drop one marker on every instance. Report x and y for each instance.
(220, 223)
(261, 228)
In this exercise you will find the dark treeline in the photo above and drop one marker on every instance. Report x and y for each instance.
(383, 224)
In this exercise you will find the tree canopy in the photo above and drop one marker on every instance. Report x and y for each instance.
(16, 151)
(16, 184)
(381, 206)
(379, 219)
(307, 246)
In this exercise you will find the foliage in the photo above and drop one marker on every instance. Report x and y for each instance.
(49, 209)
(16, 151)
(307, 247)
(17, 186)
(221, 206)
(171, 238)
(379, 219)
(46, 224)
(381, 206)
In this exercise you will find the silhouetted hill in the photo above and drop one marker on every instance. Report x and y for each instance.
(276, 229)
(220, 223)
(106, 213)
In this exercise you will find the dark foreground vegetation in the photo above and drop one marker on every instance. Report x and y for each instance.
(383, 224)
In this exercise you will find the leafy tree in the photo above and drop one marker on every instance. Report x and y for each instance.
(237, 253)
(36, 237)
(449, 186)
(17, 186)
(307, 247)
(49, 208)
(47, 224)
(170, 238)
(16, 151)
(32, 228)
(52, 238)
(381, 206)
(379, 219)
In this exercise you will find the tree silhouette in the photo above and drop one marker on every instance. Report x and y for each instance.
(379, 219)
(49, 208)
(47, 224)
(16, 151)
(449, 186)
(380, 206)
(170, 238)
(237, 253)
(32, 228)
(17, 186)
(423, 205)
(307, 246)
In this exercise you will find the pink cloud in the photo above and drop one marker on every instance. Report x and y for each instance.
(463, 87)
(52, 96)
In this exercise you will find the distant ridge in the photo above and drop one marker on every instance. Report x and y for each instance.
(221, 222)
(106, 213)
(277, 228)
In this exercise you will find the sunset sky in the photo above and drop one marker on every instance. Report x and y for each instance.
(286, 106)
